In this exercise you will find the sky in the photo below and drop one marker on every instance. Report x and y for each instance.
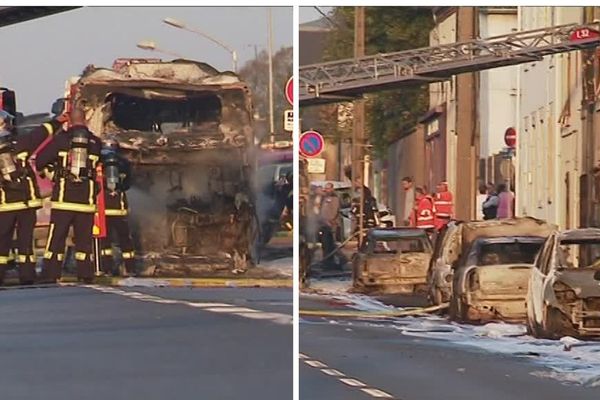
(308, 14)
(40, 55)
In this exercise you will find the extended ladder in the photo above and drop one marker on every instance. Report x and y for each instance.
(345, 79)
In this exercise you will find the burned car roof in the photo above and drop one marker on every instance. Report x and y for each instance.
(579, 235)
(510, 239)
(396, 233)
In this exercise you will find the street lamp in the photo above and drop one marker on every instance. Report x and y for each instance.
(151, 46)
(180, 25)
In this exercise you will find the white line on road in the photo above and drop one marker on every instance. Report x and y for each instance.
(355, 383)
(221, 308)
(316, 364)
(332, 372)
(377, 393)
(352, 382)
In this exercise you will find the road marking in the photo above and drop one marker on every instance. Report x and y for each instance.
(332, 372)
(316, 364)
(352, 382)
(220, 308)
(377, 393)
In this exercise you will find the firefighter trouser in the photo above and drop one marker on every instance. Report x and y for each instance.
(117, 226)
(60, 221)
(24, 222)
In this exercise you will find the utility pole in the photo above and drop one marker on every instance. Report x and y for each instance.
(467, 146)
(588, 213)
(271, 124)
(358, 131)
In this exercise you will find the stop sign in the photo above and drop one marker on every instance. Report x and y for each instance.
(510, 137)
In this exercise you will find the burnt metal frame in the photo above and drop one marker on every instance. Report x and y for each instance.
(345, 80)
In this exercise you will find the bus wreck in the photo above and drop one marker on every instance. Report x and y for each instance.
(187, 130)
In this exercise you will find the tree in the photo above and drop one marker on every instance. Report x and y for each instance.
(388, 29)
(256, 74)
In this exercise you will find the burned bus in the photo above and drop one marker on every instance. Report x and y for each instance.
(187, 130)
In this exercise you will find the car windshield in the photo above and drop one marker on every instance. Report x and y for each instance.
(579, 255)
(508, 253)
(398, 245)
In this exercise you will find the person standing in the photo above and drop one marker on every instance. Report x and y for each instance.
(409, 199)
(443, 205)
(117, 175)
(423, 216)
(481, 197)
(329, 218)
(505, 202)
(19, 200)
(74, 155)
(490, 205)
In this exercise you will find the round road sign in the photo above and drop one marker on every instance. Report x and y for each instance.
(289, 91)
(510, 137)
(311, 144)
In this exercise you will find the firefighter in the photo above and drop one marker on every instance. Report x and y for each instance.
(423, 216)
(19, 199)
(117, 175)
(73, 156)
(443, 205)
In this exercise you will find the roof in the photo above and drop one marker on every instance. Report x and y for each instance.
(337, 185)
(397, 233)
(318, 25)
(580, 234)
(510, 239)
(172, 73)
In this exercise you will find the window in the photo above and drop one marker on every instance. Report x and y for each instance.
(398, 245)
(507, 253)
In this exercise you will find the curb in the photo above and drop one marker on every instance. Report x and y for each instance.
(373, 314)
(194, 282)
(167, 282)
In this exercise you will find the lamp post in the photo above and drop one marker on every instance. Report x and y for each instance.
(179, 24)
(151, 46)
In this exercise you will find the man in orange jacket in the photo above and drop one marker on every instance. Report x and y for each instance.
(443, 205)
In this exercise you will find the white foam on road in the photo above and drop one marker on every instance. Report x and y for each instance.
(577, 363)
(285, 266)
(220, 308)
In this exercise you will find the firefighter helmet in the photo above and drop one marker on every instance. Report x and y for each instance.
(110, 143)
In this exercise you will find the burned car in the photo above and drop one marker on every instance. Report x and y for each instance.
(445, 252)
(392, 260)
(491, 275)
(564, 290)
(187, 130)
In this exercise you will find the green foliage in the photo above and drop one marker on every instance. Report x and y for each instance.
(256, 74)
(388, 29)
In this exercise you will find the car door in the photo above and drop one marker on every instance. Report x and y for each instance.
(537, 282)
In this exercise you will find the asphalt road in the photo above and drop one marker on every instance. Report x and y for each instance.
(346, 361)
(145, 343)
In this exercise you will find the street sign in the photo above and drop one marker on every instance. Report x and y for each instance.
(288, 120)
(311, 144)
(510, 137)
(583, 33)
(316, 166)
(289, 91)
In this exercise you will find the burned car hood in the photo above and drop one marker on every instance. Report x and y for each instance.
(581, 281)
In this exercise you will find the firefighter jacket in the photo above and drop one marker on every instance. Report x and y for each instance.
(444, 208)
(71, 193)
(22, 193)
(115, 202)
(424, 217)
